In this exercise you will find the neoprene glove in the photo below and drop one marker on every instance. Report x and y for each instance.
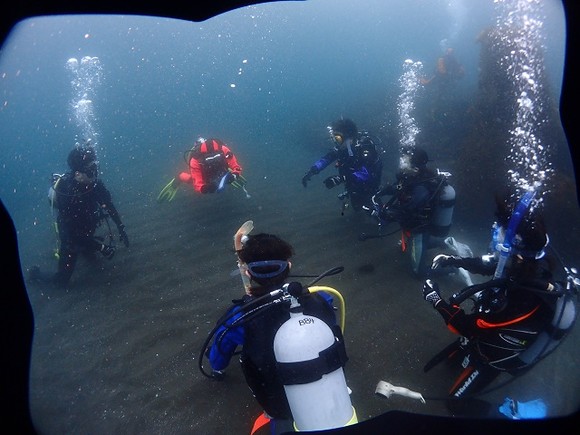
(331, 182)
(443, 260)
(431, 292)
(123, 235)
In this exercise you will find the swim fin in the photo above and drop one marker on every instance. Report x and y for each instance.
(169, 191)
(443, 355)
(239, 181)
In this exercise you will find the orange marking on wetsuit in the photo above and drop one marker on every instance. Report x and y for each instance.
(464, 374)
(452, 329)
(404, 236)
(260, 422)
(483, 324)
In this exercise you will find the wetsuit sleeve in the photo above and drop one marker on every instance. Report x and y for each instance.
(323, 162)
(456, 320)
(232, 161)
(106, 202)
(476, 265)
(225, 344)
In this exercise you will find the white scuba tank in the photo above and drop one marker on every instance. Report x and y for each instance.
(324, 403)
(443, 212)
(563, 320)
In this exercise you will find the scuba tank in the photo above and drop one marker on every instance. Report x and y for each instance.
(443, 211)
(52, 189)
(310, 362)
(564, 318)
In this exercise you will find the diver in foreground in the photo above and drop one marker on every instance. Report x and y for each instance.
(278, 325)
(517, 318)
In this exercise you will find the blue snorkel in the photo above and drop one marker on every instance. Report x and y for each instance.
(505, 248)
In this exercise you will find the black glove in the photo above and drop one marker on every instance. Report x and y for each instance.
(108, 251)
(218, 375)
(307, 177)
(443, 260)
(431, 292)
(331, 182)
(123, 235)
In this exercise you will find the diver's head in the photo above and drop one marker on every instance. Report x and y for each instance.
(413, 159)
(200, 140)
(531, 237)
(267, 259)
(342, 130)
(83, 161)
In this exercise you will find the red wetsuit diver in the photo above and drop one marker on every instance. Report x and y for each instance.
(212, 165)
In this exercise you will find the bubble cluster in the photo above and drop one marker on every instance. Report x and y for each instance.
(410, 84)
(520, 25)
(87, 77)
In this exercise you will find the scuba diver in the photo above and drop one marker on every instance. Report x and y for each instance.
(284, 380)
(212, 165)
(447, 71)
(83, 204)
(517, 318)
(357, 160)
(422, 202)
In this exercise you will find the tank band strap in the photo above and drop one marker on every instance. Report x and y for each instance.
(305, 372)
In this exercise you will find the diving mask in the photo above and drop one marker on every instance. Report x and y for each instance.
(337, 138)
(267, 268)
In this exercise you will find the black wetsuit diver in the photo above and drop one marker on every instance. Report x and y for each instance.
(515, 320)
(83, 203)
(422, 202)
(357, 160)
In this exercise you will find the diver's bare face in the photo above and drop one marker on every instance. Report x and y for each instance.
(81, 177)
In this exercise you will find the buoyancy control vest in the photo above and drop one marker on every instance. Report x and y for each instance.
(210, 155)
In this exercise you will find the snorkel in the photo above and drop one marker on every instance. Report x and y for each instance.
(505, 247)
